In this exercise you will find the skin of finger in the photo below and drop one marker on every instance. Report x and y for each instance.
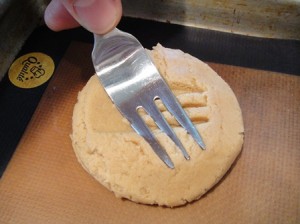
(58, 18)
(97, 16)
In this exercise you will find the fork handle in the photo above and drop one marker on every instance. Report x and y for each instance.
(108, 45)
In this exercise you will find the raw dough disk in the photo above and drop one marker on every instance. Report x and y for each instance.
(123, 162)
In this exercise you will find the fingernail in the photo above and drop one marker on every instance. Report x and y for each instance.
(83, 3)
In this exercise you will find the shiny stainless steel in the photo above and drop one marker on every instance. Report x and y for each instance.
(132, 81)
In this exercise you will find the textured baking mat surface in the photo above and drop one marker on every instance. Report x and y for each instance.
(44, 183)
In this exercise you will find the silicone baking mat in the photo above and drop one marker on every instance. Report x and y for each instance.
(17, 104)
(44, 183)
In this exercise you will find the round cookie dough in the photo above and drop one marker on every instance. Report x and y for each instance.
(122, 161)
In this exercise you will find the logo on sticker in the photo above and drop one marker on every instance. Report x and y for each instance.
(31, 70)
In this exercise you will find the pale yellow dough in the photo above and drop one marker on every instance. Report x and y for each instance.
(123, 162)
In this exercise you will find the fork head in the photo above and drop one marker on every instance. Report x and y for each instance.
(132, 81)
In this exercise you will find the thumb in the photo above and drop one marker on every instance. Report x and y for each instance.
(97, 16)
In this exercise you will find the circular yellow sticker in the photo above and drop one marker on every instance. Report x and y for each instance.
(31, 70)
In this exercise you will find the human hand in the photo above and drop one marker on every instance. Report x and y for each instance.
(97, 16)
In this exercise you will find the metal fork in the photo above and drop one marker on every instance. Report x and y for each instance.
(132, 81)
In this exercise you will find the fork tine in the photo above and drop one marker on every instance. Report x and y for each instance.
(128, 75)
(180, 115)
(138, 124)
(161, 122)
